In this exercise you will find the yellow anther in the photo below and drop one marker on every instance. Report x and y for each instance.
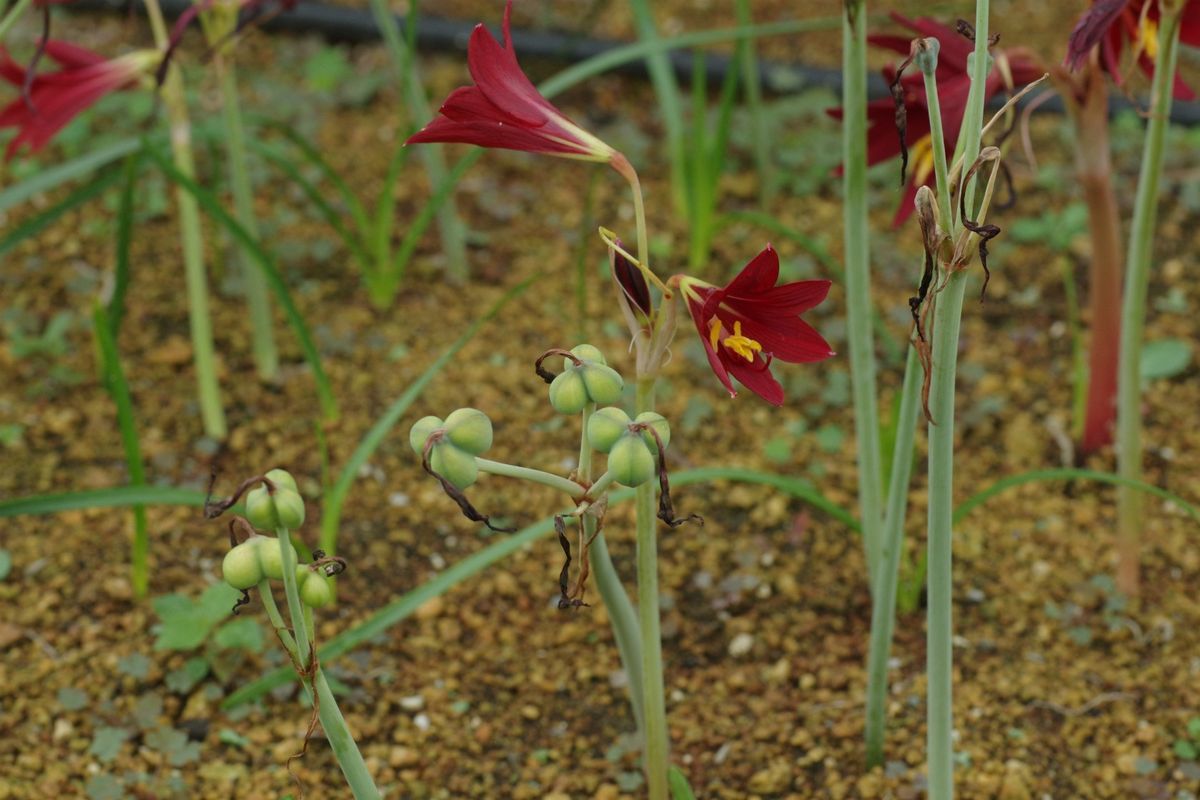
(743, 346)
(920, 155)
(1149, 32)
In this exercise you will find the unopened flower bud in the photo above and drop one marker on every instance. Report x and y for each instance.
(469, 429)
(241, 568)
(455, 465)
(630, 461)
(661, 427)
(606, 426)
(270, 555)
(419, 433)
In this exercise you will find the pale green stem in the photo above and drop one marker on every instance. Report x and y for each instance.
(601, 485)
(211, 412)
(639, 214)
(947, 319)
(569, 487)
(266, 356)
(14, 14)
(1133, 312)
(621, 615)
(883, 611)
(858, 279)
(654, 700)
(285, 635)
(337, 732)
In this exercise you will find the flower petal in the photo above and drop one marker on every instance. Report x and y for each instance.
(757, 378)
(695, 308)
(757, 276)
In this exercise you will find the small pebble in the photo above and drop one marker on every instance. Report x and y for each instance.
(740, 645)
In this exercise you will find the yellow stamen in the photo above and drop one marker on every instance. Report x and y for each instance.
(743, 346)
(1149, 33)
(920, 155)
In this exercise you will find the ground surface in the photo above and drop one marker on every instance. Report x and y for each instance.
(1063, 688)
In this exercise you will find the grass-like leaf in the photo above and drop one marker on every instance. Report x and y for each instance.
(94, 187)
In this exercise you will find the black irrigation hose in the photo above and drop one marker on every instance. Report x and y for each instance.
(357, 26)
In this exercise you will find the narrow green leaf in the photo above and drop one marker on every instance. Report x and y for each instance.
(116, 303)
(35, 224)
(981, 497)
(115, 497)
(76, 168)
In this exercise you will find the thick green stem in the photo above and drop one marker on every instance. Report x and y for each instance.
(947, 318)
(211, 412)
(570, 488)
(341, 741)
(621, 615)
(858, 279)
(883, 612)
(654, 700)
(1133, 312)
(266, 356)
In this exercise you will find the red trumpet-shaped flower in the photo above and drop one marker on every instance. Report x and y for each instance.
(505, 110)
(751, 322)
(1112, 24)
(55, 98)
(1012, 69)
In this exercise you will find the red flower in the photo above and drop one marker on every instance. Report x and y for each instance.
(1113, 23)
(505, 110)
(750, 322)
(954, 84)
(55, 98)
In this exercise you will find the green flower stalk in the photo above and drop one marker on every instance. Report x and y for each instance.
(947, 317)
(858, 280)
(211, 411)
(1133, 312)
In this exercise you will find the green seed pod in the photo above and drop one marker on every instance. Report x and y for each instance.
(270, 555)
(316, 591)
(603, 384)
(661, 427)
(260, 510)
(585, 353)
(283, 509)
(289, 506)
(455, 465)
(283, 479)
(418, 434)
(469, 429)
(606, 426)
(241, 568)
(630, 461)
(568, 394)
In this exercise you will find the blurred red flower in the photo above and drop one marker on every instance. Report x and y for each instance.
(750, 322)
(1012, 68)
(55, 98)
(1112, 24)
(505, 110)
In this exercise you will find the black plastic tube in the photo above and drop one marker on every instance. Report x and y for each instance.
(357, 26)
